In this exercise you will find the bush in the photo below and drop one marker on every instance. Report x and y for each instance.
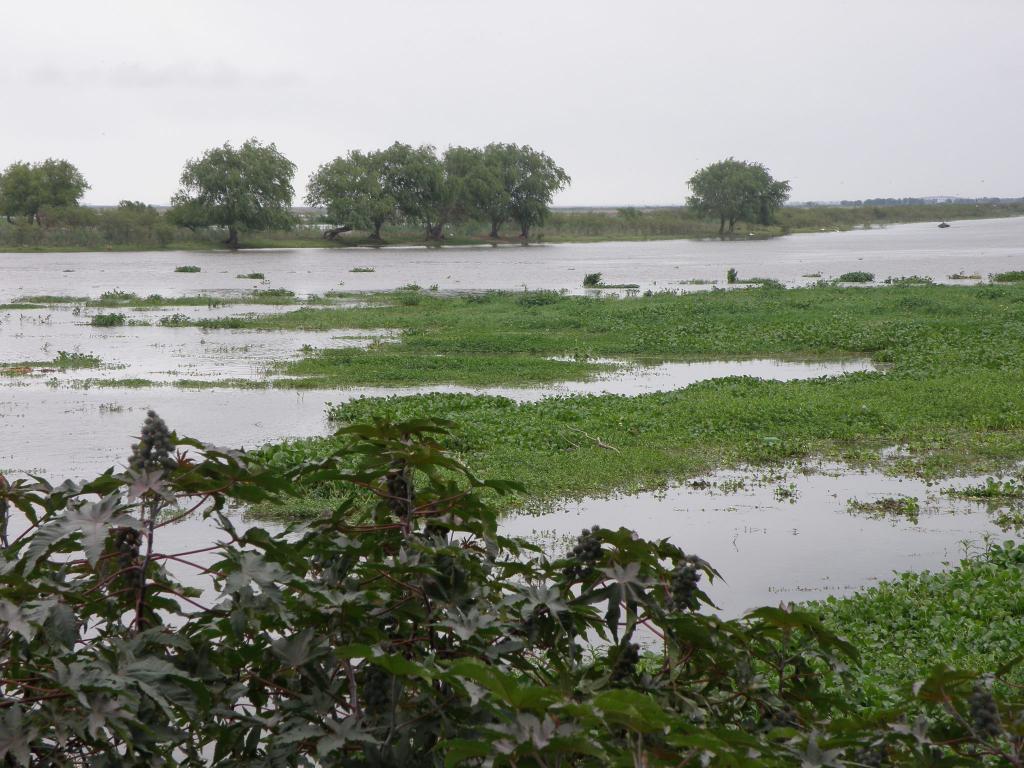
(538, 298)
(732, 275)
(856, 277)
(108, 320)
(592, 280)
(1009, 277)
(188, 268)
(402, 629)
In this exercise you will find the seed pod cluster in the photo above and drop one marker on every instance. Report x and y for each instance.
(984, 713)
(626, 661)
(872, 757)
(784, 717)
(397, 483)
(585, 555)
(376, 689)
(685, 579)
(154, 449)
(126, 543)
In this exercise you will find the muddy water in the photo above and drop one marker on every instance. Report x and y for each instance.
(983, 246)
(66, 431)
(770, 549)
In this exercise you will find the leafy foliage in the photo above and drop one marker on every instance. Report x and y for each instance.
(731, 190)
(401, 629)
(355, 190)
(856, 277)
(27, 188)
(494, 184)
(248, 187)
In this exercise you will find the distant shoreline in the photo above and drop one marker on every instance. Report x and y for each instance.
(619, 228)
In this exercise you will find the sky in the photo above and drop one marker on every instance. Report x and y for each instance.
(878, 98)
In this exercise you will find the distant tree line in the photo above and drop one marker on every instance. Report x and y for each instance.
(497, 184)
(250, 188)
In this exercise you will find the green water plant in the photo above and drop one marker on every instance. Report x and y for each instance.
(1009, 277)
(856, 277)
(108, 320)
(188, 268)
(907, 507)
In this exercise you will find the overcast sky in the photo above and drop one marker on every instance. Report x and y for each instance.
(878, 98)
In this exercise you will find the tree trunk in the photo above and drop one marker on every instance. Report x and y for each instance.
(232, 240)
(376, 230)
(525, 233)
(721, 225)
(495, 225)
(732, 223)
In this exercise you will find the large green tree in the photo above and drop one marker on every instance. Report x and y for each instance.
(355, 190)
(245, 188)
(27, 188)
(422, 186)
(532, 181)
(489, 186)
(734, 190)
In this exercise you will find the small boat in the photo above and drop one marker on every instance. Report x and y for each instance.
(943, 225)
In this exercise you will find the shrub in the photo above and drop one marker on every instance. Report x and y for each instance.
(766, 282)
(1009, 277)
(188, 268)
(856, 277)
(108, 320)
(402, 629)
(538, 298)
(731, 276)
(592, 280)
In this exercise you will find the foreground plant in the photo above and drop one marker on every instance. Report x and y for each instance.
(401, 629)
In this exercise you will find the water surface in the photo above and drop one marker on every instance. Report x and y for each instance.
(981, 246)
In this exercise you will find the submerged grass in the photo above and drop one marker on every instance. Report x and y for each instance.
(951, 393)
(921, 329)
(64, 361)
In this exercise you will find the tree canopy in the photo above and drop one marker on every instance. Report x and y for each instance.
(245, 188)
(534, 180)
(355, 190)
(498, 183)
(27, 188)
(736, 190)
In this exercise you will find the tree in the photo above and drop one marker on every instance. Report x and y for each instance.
(247, 188)
(489, 188)
(533, 180)
(355, 191)
(733, 190)
(422, 187)
(26, 188)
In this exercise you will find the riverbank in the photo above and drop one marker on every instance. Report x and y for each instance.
(562, 226)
